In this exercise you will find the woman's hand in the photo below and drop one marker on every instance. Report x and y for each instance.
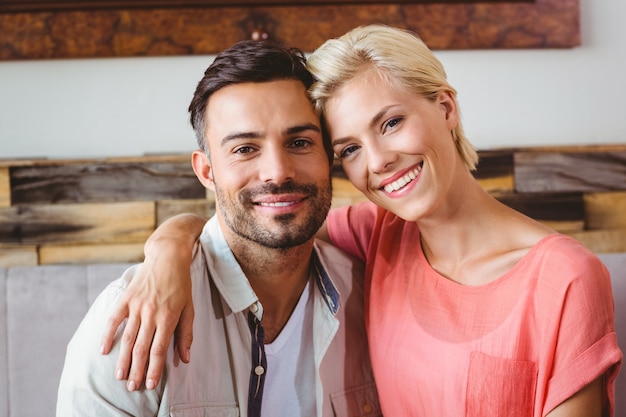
(158, 304)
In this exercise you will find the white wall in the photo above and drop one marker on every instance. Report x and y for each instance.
(133, 106)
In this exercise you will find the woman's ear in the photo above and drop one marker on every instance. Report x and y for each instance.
(202, 167)
(447, 102)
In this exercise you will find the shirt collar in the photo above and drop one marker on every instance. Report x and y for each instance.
(233, 284)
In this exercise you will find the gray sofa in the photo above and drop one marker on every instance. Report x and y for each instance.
(40, 307)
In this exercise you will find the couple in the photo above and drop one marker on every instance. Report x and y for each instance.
(470, 308)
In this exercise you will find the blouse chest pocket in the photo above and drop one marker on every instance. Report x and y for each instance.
(499, 387)
(361, 401)
(205, 410)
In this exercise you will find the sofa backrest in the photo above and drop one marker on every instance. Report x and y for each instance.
(41, 307)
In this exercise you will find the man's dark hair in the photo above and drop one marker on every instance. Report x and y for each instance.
(247, 61)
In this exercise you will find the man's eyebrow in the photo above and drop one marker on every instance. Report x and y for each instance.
(241, 135)
(301, 128)
(257, 135)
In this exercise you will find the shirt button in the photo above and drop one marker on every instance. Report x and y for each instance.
(254, 308)
(259, 370)
(367, 408)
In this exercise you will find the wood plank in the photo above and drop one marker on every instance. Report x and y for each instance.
(168, 208)
(90, 254)
(5, 188)
(603, 241)
(207, 30)
(504, 184)
(566, 172)
(554, 207)
(495, 170)
(494, 164)
(103, 182)
(344, 193)
(564, 226)
(11, 256)
(92, 222)
(605, 210)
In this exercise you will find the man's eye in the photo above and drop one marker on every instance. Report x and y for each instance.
(300, 143)
(243, 149)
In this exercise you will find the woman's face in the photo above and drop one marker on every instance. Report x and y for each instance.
(395, 146)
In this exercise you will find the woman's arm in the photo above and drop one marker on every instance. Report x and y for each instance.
(157, 304)
(587, 402)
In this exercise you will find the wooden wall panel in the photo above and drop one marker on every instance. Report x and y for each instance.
(5, 187)
(603, 241)
(605, 210)
(104, 181)
(91, 222)
(38, 230)
(495, 171)
(570, 171)
(89, 254)
(169, 208)
(207, 30)
(18, 256)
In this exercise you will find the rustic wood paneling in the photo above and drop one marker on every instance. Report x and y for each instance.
(344, 193)
(87, 254)
(104, 182)
(570, 171)
(495, 171)
(87, 232)
(603, 241)
(555, 207)
(18, 256)
(49, 5)
(207, 30)
(5, 188)
(91, 222)
(605, 210)
(169, 208)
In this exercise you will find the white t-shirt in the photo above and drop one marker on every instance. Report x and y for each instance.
(290, 380)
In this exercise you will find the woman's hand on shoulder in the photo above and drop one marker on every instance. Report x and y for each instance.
(156, 305)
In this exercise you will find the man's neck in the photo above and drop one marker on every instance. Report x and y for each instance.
(278, 277)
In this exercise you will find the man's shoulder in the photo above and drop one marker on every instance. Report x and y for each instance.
(329, 253)
(338, 264)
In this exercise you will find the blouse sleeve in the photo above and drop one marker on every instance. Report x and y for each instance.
(586, 344)
(350, 228)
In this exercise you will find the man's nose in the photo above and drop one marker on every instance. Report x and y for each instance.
(277, 165)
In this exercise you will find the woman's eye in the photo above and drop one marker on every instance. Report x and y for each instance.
(391, 123)
(348, 150)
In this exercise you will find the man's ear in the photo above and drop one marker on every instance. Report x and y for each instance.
(202, 168)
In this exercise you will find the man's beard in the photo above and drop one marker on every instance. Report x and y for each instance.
(240, 217)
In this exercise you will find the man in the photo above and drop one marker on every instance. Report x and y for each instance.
(279, 317)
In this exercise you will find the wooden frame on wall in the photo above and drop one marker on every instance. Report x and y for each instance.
(45, 29)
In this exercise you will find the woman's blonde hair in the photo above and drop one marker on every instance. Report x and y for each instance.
(398, 55)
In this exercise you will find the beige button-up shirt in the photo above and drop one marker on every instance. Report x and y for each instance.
(216, 382)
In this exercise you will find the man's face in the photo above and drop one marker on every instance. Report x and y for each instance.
(268, 166)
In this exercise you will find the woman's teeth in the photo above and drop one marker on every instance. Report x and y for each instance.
(401, 182)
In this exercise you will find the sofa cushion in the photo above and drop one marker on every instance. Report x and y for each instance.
(44, 306)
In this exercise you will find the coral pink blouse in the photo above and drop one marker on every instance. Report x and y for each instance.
(516, 347)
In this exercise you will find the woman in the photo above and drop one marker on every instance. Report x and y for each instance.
(472, 308)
